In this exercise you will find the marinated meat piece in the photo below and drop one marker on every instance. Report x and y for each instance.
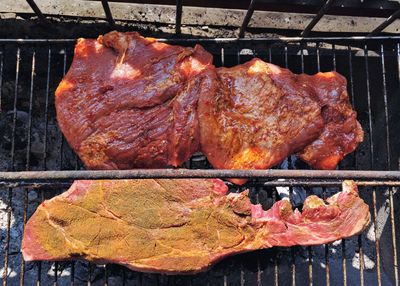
(342, 132)
(255, 117)
(179, 226)
(129, 101)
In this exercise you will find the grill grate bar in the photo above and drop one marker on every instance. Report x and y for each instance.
(36, 9)
(395, 263)
(293, 266)
(309, 248)
(270, 54)
(361, 259)
(7, 247)
(29, 132)
(377, 239)
(178, 19)
(317, 48)
(1, 75)
(9, 203)
(344, 267)
(370, 131)
(28, 153)
(46, 125)
(354, 39)
(293, 257)
(381, 177)
(310, 265)
(351, 78)
(60, 163)
(108, 13)
(393, 227)
(46, 109)
(317, 17)
(385, 99)
(385, 23)
(275, 183)
(22, 273)
(247, 18)
(106, 275)
(15, 108)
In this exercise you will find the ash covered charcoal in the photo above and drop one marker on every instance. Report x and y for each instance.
(6, 129)
(298, 194)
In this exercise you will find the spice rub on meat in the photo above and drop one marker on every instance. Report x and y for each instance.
(133, 102)
(129, 101)
(342, 132)
(179, 226)
(256, 116)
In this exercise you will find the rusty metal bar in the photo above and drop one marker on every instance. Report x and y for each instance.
(247, 18)
(354, 39)
(385, 23)
(36, 9)
(275, 183)
(178, 17)
(108, 13)
(377, 239)
(199, 173)
(317, 17)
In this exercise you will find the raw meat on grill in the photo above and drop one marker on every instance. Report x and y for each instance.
(255, 117)
(129, 101)
(179, 226)
(132, 102)
(342, 132)
(259, 113)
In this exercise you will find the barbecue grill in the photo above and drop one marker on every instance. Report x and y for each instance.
(37, 164)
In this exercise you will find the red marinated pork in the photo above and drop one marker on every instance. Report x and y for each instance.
(258, 114)
(129, 101)
(255, 117)
(179, 226)
(342, 132)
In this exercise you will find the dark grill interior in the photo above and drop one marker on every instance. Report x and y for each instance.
(30, 71)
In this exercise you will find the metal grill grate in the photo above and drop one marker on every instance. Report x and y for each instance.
(30, 70)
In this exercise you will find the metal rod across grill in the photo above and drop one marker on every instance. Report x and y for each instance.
(36, 163)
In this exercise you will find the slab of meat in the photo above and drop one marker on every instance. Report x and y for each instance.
(179, 226)
(342, 132)
(259, 113)
(256, 116)
(129, 101)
